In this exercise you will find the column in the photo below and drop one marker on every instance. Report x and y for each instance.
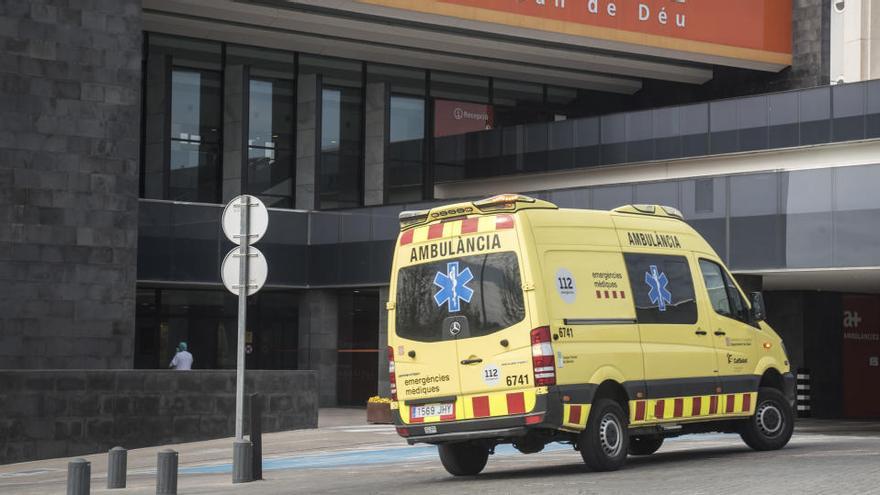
(374, 146)
(308, 111)
(235, 95)
(384, 386)
(156, 110)
(318, 332)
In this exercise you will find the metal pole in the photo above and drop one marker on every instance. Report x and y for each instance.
(79, 477)
(166, 472)
(117, 463)
(242, 469)
(242, 316)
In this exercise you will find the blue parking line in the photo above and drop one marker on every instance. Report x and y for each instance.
(351, 458)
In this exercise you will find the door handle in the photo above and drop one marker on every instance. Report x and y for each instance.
(471, 361)
(720, 333)
(701, 332)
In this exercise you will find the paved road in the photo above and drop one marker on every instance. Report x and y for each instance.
(348, 457)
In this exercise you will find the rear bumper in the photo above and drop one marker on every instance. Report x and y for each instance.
(501, 428)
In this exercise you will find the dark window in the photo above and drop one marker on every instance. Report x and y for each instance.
(270, 141)
(340, 165)
(406, 141)
(183, 120)
(495, 304)
(662, 288)
(723, 294)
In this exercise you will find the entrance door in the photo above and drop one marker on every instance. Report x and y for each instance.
(678, 350)
(861, 356)
(358, 347)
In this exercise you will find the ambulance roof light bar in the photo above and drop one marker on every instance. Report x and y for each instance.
(655, 210)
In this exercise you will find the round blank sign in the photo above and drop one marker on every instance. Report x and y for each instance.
(258, 270)
(258, 221)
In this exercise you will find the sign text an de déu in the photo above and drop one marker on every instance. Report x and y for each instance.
(609, 8)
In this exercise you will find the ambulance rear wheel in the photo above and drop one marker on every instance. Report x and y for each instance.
(644, 445)
(464, 458)
(605, 441)
(773, 423)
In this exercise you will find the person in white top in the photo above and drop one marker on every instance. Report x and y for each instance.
(183, 360)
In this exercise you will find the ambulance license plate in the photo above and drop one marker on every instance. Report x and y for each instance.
(431, 410)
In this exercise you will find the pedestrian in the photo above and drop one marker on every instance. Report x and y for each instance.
(183, 360)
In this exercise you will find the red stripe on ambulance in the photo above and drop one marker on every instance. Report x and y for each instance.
(481, 406)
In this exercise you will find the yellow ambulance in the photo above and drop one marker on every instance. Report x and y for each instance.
(514, 321)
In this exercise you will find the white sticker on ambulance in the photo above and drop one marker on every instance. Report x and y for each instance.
(565, 285)
(491, 375)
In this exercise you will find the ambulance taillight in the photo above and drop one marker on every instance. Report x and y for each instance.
(543, 361)
(392, 376)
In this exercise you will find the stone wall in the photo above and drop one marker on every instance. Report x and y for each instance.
(70, 75)
(55, 413)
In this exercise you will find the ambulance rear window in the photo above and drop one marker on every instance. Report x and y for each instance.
(483, 293)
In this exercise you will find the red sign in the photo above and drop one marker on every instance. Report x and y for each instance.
(757, 30)
(861, 356)
(458, 117)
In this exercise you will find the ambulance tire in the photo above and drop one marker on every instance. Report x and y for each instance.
(644, 444)
(463, 458)
(605, 441)
(773, 423)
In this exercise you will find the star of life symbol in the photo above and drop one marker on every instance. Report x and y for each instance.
(658, 282)
(453, 287)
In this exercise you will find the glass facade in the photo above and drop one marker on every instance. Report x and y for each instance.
(358, 352)
(271, 107)
(183, 120)
(340, 157)
(439, 126)
(817, 218)
(207, 321)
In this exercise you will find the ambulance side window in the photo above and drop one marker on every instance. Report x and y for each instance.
(662, 288)
(723, 294)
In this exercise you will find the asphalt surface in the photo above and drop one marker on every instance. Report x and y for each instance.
(349, 457)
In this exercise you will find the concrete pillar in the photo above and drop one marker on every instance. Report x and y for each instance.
(318, 335)
(235, 96)
(374, 145)
(384, 387)
(157, 124)
(308, 121)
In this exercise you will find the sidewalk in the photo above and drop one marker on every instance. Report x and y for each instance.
(343, 443)
(338, 429)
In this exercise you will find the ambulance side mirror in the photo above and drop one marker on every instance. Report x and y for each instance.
(758, 310)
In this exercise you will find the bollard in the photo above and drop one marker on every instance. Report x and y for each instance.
(257, 435)
(117, 465)
(242, 461)
(79, 477)
(166, 473)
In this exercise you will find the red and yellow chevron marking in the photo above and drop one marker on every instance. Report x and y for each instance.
(574, 416)
(480, 406)
(684, 408)
(457, 227)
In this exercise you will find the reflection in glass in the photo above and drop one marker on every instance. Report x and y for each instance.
(405, 149)
(206, 321)
(195, 135)
(341, 140)
(270, 141)
(182, 119)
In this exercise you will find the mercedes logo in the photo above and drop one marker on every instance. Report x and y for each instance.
(455, 328)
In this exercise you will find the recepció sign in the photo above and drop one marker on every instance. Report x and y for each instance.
(758, 30)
